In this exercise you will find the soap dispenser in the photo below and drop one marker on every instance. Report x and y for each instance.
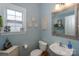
(69, 45)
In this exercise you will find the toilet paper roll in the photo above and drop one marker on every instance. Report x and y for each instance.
(25, 46)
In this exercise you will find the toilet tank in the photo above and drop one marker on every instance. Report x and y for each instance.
(42, 45)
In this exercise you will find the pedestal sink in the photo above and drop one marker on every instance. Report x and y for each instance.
(61, 50)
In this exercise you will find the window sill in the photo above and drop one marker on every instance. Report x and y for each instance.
(12, 33)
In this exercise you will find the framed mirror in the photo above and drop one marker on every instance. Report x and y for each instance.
(64, 22)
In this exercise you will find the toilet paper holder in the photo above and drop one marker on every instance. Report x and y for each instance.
(25, 46)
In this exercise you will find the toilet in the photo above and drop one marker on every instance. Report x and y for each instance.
(42, 48)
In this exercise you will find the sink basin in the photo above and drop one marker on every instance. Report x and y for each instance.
(59, 50)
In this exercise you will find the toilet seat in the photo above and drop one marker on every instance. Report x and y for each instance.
(36, 52)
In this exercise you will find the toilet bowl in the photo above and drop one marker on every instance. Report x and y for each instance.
(42, 47)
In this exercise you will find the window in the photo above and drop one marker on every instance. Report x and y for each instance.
(14, 20)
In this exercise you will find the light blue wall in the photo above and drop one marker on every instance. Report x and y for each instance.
(46, 35)
(32, 35)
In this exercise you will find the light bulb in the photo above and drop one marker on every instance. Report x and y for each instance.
(68, 4)
(57, 6)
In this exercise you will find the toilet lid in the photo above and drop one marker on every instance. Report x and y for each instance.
(36, 52)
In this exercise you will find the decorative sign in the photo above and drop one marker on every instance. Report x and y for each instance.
(45, 23)
(32, 22)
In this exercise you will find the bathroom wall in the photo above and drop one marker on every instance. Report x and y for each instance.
(32, 35)
(46, 11)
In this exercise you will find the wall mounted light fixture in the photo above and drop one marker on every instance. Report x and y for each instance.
(62, 6)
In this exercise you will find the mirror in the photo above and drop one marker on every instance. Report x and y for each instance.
(64, 23)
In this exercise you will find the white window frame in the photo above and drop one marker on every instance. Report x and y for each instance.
(15, 8)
